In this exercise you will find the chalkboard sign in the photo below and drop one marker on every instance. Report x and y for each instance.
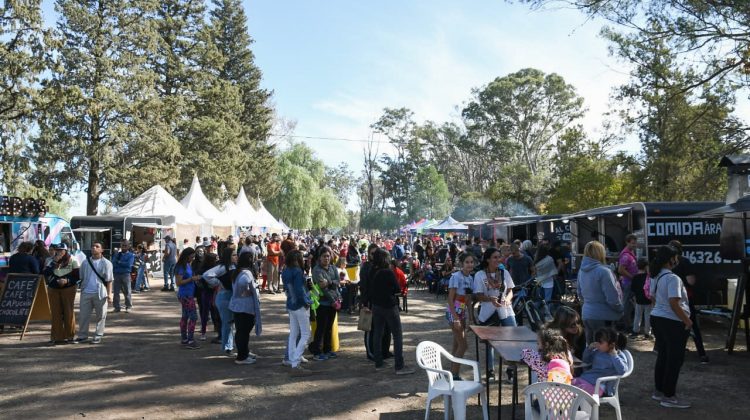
(20, 302)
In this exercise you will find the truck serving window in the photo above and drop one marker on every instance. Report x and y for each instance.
(5, 237)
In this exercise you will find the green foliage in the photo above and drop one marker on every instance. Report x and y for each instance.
(683, 132)
(341, 180)
(229, 32)
(304, 202)
(518, 117)
(97, 105)
(431, 198)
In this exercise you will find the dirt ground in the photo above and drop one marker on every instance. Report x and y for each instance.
(141, 371)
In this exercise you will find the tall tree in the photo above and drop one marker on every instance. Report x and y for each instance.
(710, 37)
(22, 52)
(683, 131)
(431, 197)
(100, 104)
(522, 114)
(230, 36)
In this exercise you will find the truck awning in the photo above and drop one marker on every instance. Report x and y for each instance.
(600, 212)
(151, 225)
(91, 229)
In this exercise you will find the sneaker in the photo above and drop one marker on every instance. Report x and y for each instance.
(248, 361)
(252, 355)
(491, 376)
(332, 355)
(674, 403)
(202, 337)
(229, 353)
(171, 288)
(286, 362)
(165, 289)
(303, 360)
(299, 372)
(192, 345)
(116, 310)
(127, 310)
(704, 360)
(96, 340)
(657, 396)
(404, 371)
(320, 357)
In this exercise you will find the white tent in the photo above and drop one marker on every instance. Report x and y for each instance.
(284, 226)
(266, 219)
(196, 201)
(156, 201)
(243, 212)
(215, 223)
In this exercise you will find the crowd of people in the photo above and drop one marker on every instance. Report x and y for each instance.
(222, 281)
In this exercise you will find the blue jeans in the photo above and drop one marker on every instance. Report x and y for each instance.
(169, 273)
(222, 304)
(140, 279)
(505, 322)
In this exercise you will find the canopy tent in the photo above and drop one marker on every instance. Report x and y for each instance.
(284, 226)
(196, 201)
(243, 213)
(156, 201)
(408, 228)
(448, 224)
(266, 219)
(420, 227)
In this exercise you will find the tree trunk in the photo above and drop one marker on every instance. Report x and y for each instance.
(92, 194)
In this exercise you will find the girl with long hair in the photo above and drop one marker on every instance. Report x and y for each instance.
(185, 280)
(220, 277)
(383, 289)
(493, 289)
(670, 320)
(245, 306)
(326, 276)
(459, 299)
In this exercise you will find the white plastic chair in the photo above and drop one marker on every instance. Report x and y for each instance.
(614, 400)
(558, 401)
(441, 381)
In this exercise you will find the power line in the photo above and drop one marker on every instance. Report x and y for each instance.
(330, 138)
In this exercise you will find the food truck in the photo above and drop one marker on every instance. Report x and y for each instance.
(655, 224)
(111, 230)
(26, 220)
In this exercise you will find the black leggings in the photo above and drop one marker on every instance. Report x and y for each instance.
(324, 317)
(671, 338)
(243, 324)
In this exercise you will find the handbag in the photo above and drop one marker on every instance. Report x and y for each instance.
(365, 320)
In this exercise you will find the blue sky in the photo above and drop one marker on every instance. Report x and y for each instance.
(334, 65)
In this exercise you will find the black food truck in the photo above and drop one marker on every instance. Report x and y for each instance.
(656, 224)
(111, 230)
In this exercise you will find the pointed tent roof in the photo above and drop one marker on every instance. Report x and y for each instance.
(265, 218)
(448, 224)
(284, 226)
(243, 212)
(196, 201)
(156, 201)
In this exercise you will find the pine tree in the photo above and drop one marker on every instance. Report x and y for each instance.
(231, 38)
(21, 62)
(102, 122)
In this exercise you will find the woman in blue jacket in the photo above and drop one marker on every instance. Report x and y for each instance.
(298, 306)
(598, 290)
